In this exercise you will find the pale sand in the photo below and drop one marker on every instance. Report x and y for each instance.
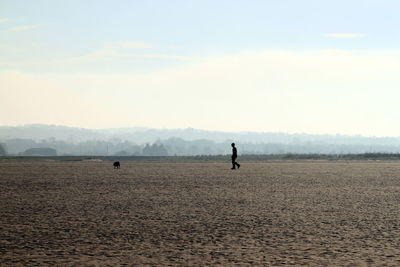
(273, 213)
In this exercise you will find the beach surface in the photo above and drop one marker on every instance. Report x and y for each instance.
(313, 213)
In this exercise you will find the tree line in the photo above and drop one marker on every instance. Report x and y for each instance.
(177, 147)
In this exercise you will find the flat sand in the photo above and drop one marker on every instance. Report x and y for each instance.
(55, 213)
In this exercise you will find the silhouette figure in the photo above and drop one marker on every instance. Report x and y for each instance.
(116, 165)
(234, 156)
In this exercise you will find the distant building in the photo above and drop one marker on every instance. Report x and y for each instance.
(40, 151)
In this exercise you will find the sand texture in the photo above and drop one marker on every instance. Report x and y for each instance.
(55, 213)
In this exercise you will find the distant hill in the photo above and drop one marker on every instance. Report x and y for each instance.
(133, 140)
(142, 135)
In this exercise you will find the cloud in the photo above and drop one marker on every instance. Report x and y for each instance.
(336, 51)
(344, 35)
(330, 91)
(23, 28)
(122, 50)
(4, 19)
(96, 58)
(134, 45)
(109, 55)
(61, 104)
(101, 54)
(175, 47)
(160, 56)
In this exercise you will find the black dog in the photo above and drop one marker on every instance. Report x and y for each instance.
(116, 165)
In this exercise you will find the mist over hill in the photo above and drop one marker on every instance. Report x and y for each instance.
(148, 141)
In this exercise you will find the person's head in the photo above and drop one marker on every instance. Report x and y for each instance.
(233, 144)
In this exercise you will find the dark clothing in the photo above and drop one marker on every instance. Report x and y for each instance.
(234, 152)
(234, 156)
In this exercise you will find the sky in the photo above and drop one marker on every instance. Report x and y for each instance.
(296, 66)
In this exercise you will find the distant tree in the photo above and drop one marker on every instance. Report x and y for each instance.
(18, 145)
(40, 151)
(2, 150)
(161, 150)
(154, 150)
(146, 150)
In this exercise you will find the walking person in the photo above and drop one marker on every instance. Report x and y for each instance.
(234, 157)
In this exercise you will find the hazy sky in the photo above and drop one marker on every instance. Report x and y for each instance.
(314, 66)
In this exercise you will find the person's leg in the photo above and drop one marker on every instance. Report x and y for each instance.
(237, 164)
(233, 163)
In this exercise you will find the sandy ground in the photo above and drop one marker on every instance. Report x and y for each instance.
(164, 214)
